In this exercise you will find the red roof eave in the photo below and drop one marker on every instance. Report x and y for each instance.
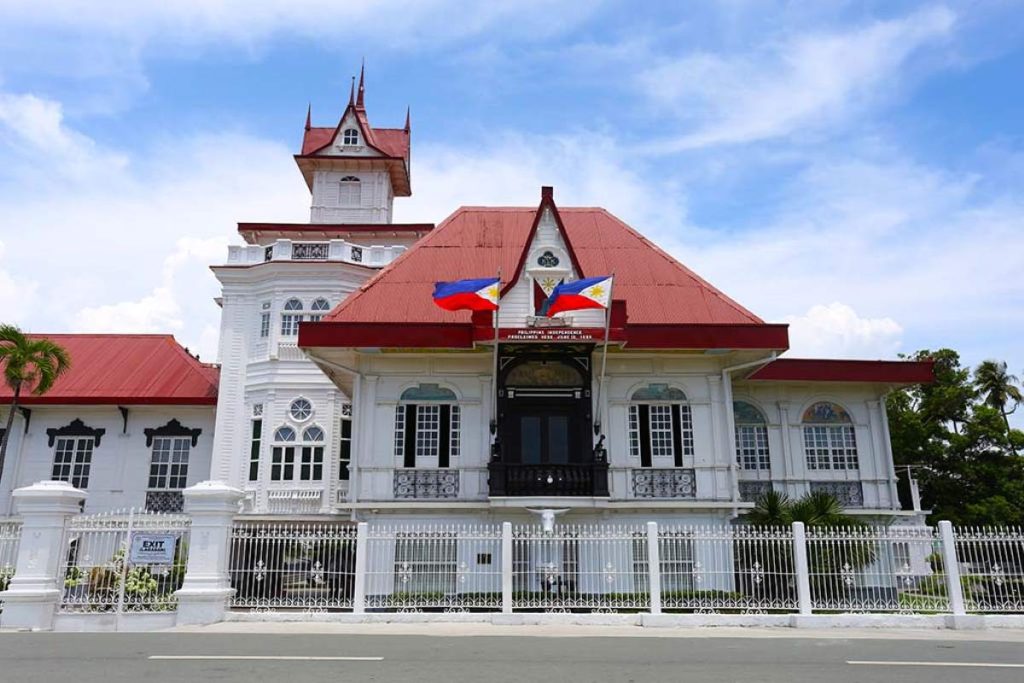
(117, 400)
(827, 370)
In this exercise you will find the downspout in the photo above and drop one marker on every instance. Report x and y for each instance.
(730, 424)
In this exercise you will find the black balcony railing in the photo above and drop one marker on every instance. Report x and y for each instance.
(549, 480)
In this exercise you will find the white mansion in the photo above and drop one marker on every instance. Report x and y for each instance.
(344, 391)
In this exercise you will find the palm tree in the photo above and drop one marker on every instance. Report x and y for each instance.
(998, 387)
(28, 365)
(817, 508)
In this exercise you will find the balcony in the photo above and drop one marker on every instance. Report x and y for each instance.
(548, 480)
(329, 250)
(664, 483)
(426, 484)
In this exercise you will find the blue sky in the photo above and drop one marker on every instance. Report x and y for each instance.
(852, 168)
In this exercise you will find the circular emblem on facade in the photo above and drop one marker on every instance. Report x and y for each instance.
(300, 409)
(547, 260)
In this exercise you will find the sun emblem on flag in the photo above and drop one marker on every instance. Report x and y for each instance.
(597, 291)
(492, 293)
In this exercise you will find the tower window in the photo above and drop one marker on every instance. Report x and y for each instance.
(349, 191)
(350, 137)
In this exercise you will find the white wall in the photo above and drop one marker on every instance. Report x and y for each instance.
(120, 464)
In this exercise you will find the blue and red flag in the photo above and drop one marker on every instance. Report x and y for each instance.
(476, 295)
(590, 292)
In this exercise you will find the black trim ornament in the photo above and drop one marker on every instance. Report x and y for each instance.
(74, 428)
(172, 428)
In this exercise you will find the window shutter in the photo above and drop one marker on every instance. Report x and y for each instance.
(410, 435)
(677, 435)
(444, 449)
(645, 434)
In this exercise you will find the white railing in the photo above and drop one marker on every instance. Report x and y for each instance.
(289, 351)
(454, 568)
(713, 568)
(10, 534)
(991, 568)
(580, 567)
(99, 573)
(603, 567)
(876, 569)
(281, 565)
(294, 501)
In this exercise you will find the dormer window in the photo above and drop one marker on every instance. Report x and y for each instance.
(350, 137)
(349, 191)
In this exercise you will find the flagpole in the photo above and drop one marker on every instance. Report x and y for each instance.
(604, 358)
(494, 393)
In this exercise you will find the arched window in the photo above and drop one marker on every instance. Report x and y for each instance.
(660, 427)
(427, 426)
(350, 136)
(320, 307)
(349, 191)
(310, 452)
(291, 318)
(751, 437)
(830, 442)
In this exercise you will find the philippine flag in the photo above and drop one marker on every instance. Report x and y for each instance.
(475, 295)
(591, 292)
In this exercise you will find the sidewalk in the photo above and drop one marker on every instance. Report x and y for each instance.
(582, 631)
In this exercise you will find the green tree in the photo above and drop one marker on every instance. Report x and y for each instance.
(998, 387)
(29, 365)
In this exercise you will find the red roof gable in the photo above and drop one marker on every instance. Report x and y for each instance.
(392, 142)
(475, 241)
(127, 369)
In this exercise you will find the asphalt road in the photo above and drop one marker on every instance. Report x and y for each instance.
(295, 658)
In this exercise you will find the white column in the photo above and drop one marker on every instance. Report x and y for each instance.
(949, 562)
(359, 589)
(800, 565)
(654, 566)
(203, 596)
(506, 567)
(32, 596)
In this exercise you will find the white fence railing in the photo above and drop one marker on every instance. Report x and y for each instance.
(10, 534)
(991, 568)
(626, 568)
(280, 565)
(98, 573)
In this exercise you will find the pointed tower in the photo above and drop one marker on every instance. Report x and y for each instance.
(354, 170)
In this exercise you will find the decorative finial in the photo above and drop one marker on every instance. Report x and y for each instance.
(408, 119)
(352, 93)
(362, 89)
(309, 116)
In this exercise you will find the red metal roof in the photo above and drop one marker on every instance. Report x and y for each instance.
(822, 370)
(393, 142)
(475, 241)
(127, 369)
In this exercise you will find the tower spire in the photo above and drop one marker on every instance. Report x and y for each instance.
(309, 116)
(352, 93)
(359, 95)
(408, 119)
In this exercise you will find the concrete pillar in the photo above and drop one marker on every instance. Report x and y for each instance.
(802, 569)
(654, 566)
(506, 567)
(202, 598)
(31, 598)
(362, 551)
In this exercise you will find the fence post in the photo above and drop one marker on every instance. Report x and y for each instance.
(34, 592)
(800, 566)
(654, 566)
(362, 548)
(203, 596)
(952, 567)
(506, 567)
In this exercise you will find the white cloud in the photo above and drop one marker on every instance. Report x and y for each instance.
(785, 87)
(17, 295)
(836, 331)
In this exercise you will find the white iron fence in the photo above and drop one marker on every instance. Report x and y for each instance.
(876, 569)
(723, 568)
(10, 534)
(300, 565)
(580, 567)
(451, 568)
(625, 568)
(991, 568)
(102, 573)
